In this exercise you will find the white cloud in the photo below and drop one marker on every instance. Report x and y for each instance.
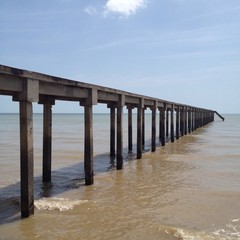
(90, 10)
(124, 7)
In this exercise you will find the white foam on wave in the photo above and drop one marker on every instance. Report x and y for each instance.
(232, 230)
(236, 220)
(188, 235)
(61, 204)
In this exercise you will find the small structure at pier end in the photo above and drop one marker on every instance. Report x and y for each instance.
(27, 87)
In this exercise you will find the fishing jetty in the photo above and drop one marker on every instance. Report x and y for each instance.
(26, 87)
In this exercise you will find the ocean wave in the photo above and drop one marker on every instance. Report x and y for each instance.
(190, 235)
(61, 204)
(232, 230)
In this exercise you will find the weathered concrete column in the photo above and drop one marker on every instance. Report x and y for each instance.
(167, 123)
(172, 123)
(200, 119)
(154, 127)
(143, 127)
(196, 119)
(88, 145)
(162, 112)
(160, 134)
(139, 128)
(29, 94)
(213, 117)
(47, 140)
(208, 117)
(112, 129)
(120, 105)
(203, 118)
(177, 121)
(88, 136)
(129, 127)
(182, 121)
(185, 121)
(193, 112)
(189, 120)
(26, 154)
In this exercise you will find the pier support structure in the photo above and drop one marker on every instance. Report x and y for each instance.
(88, 134)
(177, 121)
(143, 127)
(189, 120)
(153, 109)
(140, 109)
(47, 138)
(28, 87)
(26, 155)
(130, 131)
(185, 121)
(172, 123)
(162, 123)
(112, 129)
(120, 104)
(29, 94)
(167, 122)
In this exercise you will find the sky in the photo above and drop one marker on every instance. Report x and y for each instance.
(186, 51)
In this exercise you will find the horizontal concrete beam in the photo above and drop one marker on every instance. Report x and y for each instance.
(12, 82)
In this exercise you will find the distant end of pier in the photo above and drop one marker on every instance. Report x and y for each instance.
(219, 115)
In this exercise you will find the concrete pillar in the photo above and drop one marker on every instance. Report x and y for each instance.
(182, 121)
(172, 123)
(29, 94)
(153, 128)
(200, 119)
(88, 134)
(185, 121)
(26, 159)
(143, 128)
(140, 128)
(162, 112)
(193, 117)
(129, 128)
(196, 119)
(167, 123)
(88, 145)
(177, 121)
(112, 131)
(189, 121)
(120, 105)
(160, 134)
(47, 141)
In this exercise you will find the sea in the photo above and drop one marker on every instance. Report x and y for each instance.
(189, 189)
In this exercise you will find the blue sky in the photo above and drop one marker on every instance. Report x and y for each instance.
(186, 51)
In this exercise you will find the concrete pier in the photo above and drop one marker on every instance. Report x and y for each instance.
(28, 87)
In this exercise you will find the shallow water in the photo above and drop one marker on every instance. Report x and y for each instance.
(186, 190)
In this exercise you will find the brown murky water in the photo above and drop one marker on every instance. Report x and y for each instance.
(186, 190)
